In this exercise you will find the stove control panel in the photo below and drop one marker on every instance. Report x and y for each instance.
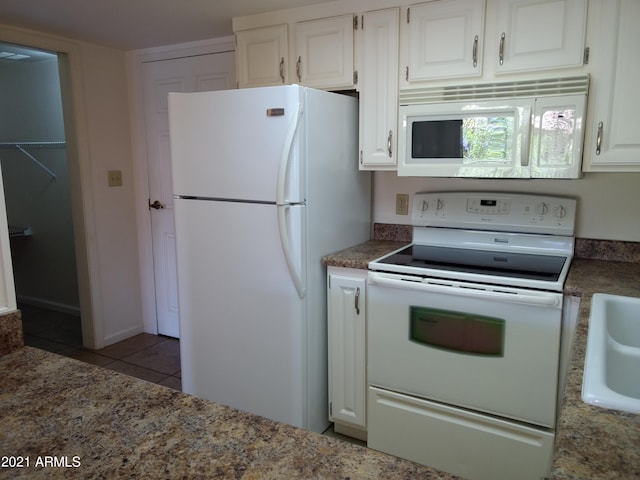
(505, 211)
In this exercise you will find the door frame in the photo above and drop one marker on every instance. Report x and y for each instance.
(135, 61)
(80, 174)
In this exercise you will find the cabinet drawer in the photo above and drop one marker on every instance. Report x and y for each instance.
(456, 441)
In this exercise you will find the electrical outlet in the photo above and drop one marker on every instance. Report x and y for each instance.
(115, 178)
(402, 204)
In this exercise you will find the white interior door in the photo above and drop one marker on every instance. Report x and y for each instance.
(214, 71)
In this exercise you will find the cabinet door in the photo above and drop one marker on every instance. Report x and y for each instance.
(379, 90)
(613, 139)
(261, 55)
(347, 357)
(445, 39)
(539, 34)
(324, 53)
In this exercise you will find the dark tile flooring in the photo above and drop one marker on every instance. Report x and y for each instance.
(154, 358)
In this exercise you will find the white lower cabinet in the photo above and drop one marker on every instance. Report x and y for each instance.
(457, 441)
(347, 350)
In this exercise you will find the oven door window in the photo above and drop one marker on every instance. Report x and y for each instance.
(456, 331)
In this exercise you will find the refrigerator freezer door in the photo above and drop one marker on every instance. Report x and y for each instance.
(229, 144)
(242, 322)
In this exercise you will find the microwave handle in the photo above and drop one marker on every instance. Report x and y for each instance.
(527, 117)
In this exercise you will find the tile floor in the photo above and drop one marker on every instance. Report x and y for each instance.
(154, 358)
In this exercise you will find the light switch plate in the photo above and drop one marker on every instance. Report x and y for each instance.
(402, 204)
(115, 178)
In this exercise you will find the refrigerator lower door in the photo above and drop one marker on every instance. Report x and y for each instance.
(242, 322)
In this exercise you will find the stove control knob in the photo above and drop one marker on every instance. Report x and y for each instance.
(560, 212)
(425, 206)
(542, 208)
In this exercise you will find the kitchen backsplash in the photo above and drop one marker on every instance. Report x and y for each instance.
(610, 250)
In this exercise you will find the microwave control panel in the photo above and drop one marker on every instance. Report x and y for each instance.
(505, 211)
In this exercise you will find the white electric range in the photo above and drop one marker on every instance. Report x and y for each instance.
(464, 331)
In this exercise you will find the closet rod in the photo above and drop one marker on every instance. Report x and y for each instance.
(33, 144)
(22, 145)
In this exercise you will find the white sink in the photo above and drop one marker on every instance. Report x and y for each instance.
(612, 361)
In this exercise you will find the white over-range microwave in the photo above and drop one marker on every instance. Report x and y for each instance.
(528, 129)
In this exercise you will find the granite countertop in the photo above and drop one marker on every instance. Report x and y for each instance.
(96, 423)
(591, 442)
(360, 255)
(102, 424)
(594, 442)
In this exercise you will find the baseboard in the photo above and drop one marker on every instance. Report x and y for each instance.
(49, 305)
(122, 335)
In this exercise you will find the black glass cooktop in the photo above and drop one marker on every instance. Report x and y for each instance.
(518, 265)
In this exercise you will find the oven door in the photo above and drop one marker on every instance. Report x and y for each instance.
(486, 348)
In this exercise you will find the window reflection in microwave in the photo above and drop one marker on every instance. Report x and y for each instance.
(474, 139)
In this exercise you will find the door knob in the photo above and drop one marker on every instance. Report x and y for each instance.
(157, 205)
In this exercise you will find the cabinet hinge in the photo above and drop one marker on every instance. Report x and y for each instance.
(331, 409)
(408, 15)
(355, 77)
(585, 57)
(355, 22)
(406, 73)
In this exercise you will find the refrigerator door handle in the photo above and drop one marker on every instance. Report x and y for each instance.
(288, 251)
(286, 153)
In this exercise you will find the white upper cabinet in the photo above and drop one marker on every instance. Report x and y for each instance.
(324, 53)
(539, 35)
(261, 56)
(612, 140)
(444, 39)
(379, 90)
(477, 39)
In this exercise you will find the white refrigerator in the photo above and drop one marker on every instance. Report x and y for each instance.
(265, 183)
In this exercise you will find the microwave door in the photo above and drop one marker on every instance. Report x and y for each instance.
(482, 140)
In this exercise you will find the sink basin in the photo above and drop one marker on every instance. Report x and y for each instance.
(612, 361)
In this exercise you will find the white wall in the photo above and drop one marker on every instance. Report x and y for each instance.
(98, 140)
(607, 202)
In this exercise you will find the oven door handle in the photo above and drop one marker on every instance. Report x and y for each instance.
(544, 299)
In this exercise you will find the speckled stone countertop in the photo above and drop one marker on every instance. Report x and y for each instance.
(594, 442)
(360, 255)
(591, 442)
(101, 424)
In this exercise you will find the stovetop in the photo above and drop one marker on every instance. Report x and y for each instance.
(496, 238)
